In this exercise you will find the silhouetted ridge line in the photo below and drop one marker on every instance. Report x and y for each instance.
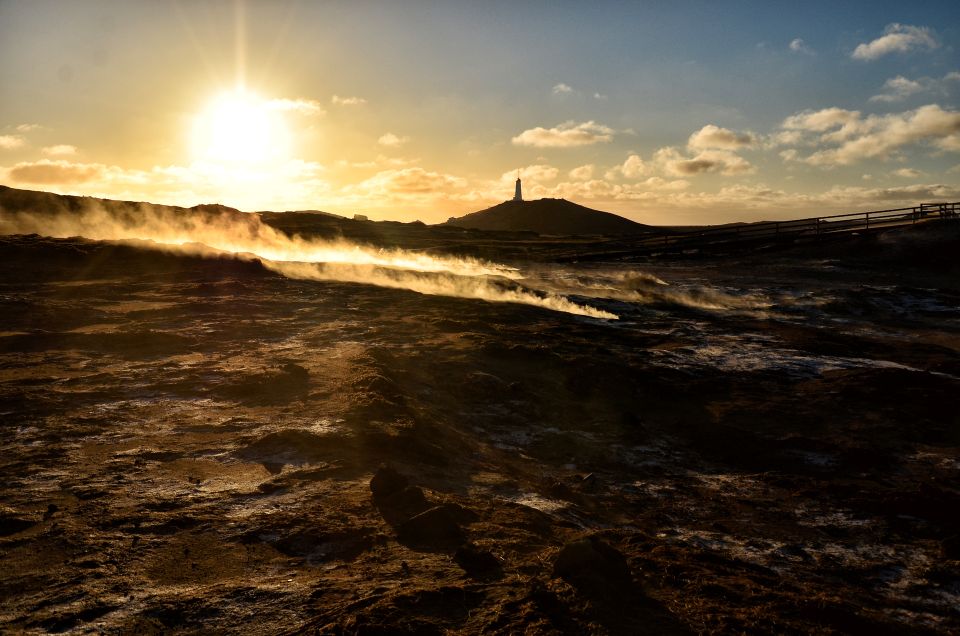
(548, 216)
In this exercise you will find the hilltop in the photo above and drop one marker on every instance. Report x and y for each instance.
(548, 216)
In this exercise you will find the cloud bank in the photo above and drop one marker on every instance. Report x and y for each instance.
(896, 38)
(566, 135)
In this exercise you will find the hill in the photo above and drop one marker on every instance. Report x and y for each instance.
(548, 216)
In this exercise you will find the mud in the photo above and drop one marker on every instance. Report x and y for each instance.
(766, 444)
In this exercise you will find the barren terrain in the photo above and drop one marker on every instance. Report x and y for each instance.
(763, 443)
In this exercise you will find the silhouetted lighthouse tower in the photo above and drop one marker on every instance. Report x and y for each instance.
(517, 195)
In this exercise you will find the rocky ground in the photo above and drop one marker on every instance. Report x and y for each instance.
(765, 444)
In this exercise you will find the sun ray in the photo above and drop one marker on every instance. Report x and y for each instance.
(240, 128)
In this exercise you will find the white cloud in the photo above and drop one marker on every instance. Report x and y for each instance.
(599, 96)
(537, 172)
(797, 45)
(348, 101)
(10, 142)
(309, 107)
(561, 89)
(59, 150)
(711, 136)
(659, 183)
(566, 135)
(899, 88)
(634, 167)
(908, 173)
(820, 120)
(57, 172)
(897, 38)
(582, 173)
(867, 197)
(392, 141)
(28, 127)
(410, 182)
(876, 136)
(723, 162)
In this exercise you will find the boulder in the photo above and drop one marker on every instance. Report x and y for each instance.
(433, 527)
(592, 562)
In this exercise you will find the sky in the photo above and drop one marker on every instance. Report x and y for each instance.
(668, 113)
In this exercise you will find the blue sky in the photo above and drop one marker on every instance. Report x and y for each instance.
(682, 112)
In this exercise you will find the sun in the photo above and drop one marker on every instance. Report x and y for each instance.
(240, 128)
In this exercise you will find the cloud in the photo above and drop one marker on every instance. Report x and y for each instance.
(308, 107)
(561, 89)
(876, 136)
(599, 96)
(348, 101)
(582, 173)
(566, 135)
(10, 142)
(897, 38)
(820, 120)
(392, 141)
(633, 167)
(659, 183)
(59, 150)
(538, 172)
(867, 197)
(899, 88)
(908, 173)
(723, 162)
(411, 181)
(56, 172)
(28, 127)
(711, 136)
(797, 45)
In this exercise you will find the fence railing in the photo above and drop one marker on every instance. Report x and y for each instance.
(812, 227)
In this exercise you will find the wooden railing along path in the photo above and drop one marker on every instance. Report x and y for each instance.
(770, 231)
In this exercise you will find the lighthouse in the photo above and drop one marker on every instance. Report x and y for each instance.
(517, 195)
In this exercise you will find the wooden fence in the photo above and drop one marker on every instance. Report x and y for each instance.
(810, 228)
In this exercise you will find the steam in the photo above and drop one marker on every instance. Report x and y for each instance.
(647, 289)
(444, 283)
(226, 230)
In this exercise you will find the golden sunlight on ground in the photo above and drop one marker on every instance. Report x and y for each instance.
(240, 128)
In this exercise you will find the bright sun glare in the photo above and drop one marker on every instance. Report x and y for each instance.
(240, 127)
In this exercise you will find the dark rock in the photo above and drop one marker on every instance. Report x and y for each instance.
(410, 499)
(12, 522)
(589, 483)
(950, 548)
(435, 526)
(794, 551)
(459, 513)
(476, 561)
(559, 490)
(387, 481)
(592, 562)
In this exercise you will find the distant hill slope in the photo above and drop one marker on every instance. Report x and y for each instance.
(548, 216)
(44, 204)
